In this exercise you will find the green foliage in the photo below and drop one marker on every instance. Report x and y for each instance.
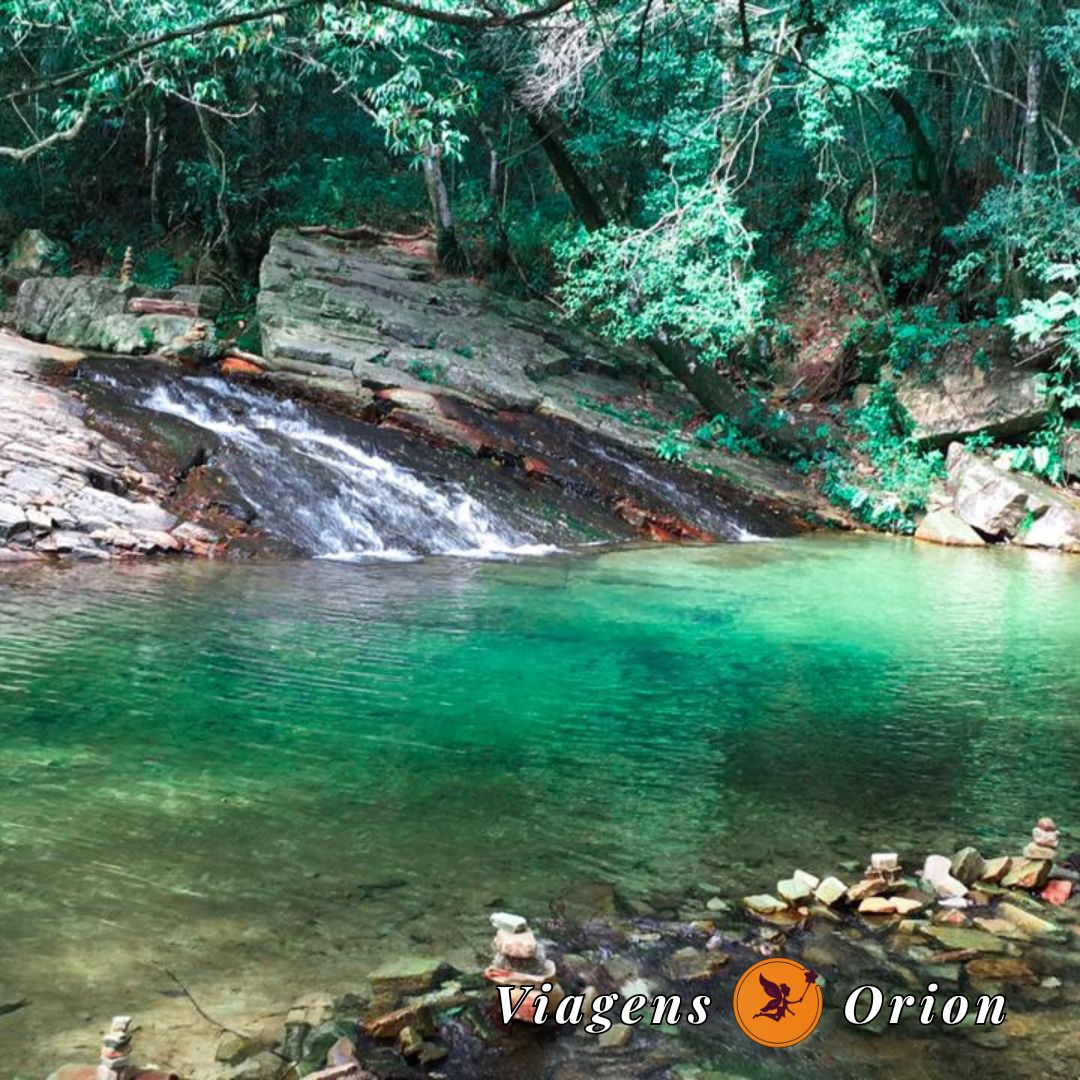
(672, 447)
(636, 417)
(425, 372)
(685, 273)
(895, 486)
(156, 269)
(726, 434)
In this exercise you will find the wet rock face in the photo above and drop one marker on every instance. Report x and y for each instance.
(100, 314)
(462, 367)
(1011, 506)
(380, 314)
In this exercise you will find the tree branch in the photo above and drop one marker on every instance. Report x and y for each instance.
(27, 152)
(403, 7)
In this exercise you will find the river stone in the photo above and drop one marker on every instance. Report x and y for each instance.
(232, 1048)
(1026, 921)
(763, 904)
(968, 865)
(692, 964)
(1027, 874)
(995, 869)
(830, 891)
(962, 937)
(867, 887)
(877, 905)
(793, 891)
(988, 971)
(389, 1025)
(1000, 399)
(943, 526)
(416, 975)
(616, 1037)
(12, 519)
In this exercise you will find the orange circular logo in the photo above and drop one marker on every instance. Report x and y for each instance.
(778, 1002)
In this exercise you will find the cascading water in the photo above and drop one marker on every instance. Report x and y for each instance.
(331, 496)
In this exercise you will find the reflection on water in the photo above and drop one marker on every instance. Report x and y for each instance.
(274, 776)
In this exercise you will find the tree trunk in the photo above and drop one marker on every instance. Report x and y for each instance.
(1031, 113)
(586, 205)
(447, 249)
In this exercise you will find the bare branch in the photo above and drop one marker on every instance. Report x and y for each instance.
(26, 152)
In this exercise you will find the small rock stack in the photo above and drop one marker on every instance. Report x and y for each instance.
(1044, 840)
(116, 1062)
(520, 960)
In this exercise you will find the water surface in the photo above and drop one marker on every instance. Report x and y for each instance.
(267, 778)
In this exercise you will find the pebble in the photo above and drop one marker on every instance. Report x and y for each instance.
(793, 891)
(830, 891)
(616, 1037)
(763, 904)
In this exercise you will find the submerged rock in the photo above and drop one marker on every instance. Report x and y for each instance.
(415, 975)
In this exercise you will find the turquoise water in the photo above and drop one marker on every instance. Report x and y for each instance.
(267, 778)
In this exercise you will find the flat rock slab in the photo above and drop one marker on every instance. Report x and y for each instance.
(66, 489)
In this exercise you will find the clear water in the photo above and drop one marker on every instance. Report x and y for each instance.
(267, 778)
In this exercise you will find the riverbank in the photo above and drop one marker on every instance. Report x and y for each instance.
(420, 1013)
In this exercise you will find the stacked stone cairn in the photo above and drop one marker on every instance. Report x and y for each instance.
(116, 1061)
(949, 884)
(520, 961)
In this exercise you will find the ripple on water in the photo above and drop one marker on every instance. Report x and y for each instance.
(265, 774)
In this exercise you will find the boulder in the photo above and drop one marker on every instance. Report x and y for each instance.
(94, 313)
(33, 255)
(943, 526)
(1007, 505)
(964, 398)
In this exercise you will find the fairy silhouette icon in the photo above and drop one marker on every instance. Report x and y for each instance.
(775, 977)
(779, 997)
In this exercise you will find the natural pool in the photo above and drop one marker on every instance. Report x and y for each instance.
(269, 777)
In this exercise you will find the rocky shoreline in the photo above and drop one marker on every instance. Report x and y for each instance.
(375, 334)
(67, 490)
(1008, 926)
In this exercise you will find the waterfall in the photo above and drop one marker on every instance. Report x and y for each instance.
(331, 495)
